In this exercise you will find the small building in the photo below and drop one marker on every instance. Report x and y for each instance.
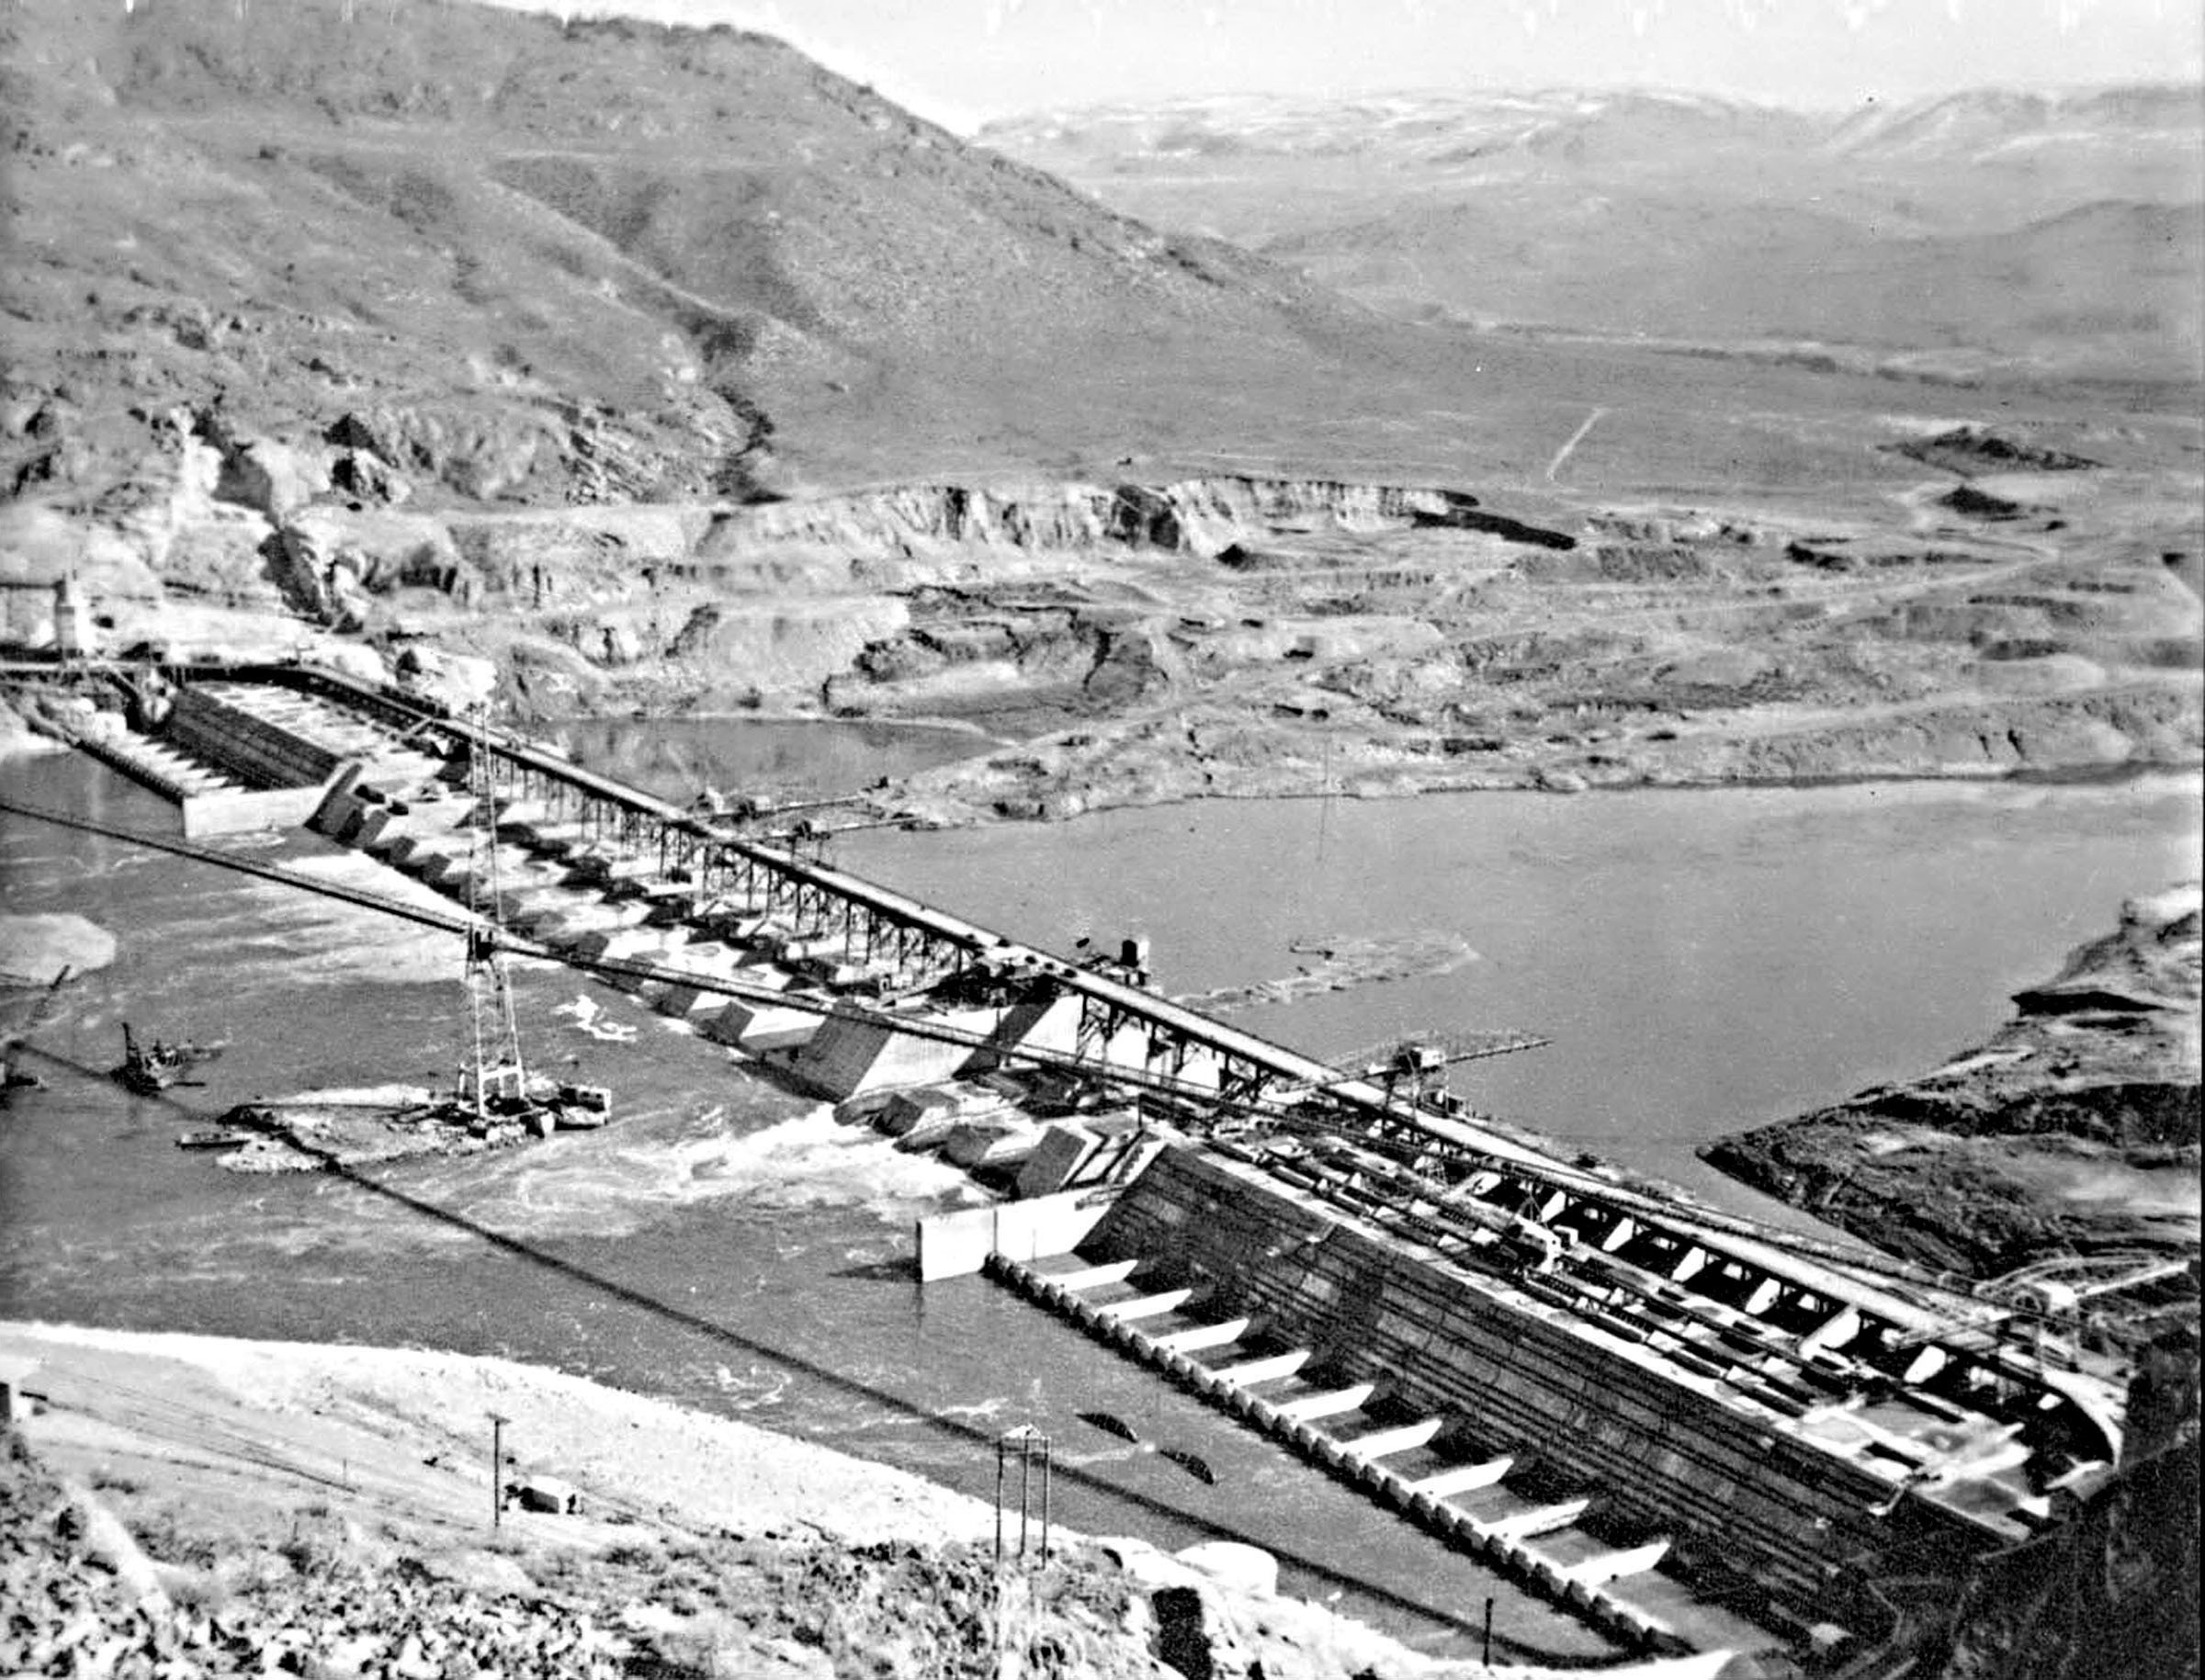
(71, 622)
(547, 1494)
(17, 1371)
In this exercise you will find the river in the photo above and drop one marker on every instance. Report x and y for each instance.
(1701, 962)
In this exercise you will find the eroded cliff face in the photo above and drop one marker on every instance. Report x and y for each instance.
(887, 600)
(1234, 634)
(1198, 517)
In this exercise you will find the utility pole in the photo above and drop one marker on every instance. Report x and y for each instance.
(497, 1468)
(1030, 1445)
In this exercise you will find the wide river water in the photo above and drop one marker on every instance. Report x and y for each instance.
(1701, 962)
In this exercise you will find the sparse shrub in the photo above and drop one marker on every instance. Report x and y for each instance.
(172, 1535)
(200, 1590)
(708, 1647)
(315, 1548)
(566, 1567)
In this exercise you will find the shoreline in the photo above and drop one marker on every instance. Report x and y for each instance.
(1038, 803)
(2084, 779)
(982, 813)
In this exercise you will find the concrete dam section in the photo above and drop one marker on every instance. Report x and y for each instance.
(1642, 1429)
(1695, 1432)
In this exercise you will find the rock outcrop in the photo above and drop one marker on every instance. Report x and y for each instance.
(2072, 1131)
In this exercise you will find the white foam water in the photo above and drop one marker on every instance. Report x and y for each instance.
(328, 941)
(648, 1165)
(589, 1017)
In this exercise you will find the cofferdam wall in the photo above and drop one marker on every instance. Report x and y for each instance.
(1658, 1451)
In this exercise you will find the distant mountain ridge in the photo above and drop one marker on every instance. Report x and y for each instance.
(1436, 126)
(1980, 122)
(1937, 228)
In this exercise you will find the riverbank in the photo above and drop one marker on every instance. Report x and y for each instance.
(2071, 1133)
(334, 1503)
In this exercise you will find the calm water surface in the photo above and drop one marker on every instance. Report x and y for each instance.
(791, 759)
(1702, 962)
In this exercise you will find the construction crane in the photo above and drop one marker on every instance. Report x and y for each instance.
(20, 1016)
(1414, 1066)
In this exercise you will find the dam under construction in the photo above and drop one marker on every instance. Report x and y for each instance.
(1699, 1434)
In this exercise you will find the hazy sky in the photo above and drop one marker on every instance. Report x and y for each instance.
(962, 61)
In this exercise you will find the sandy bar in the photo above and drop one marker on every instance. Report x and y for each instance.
(410, 1430)
(396, 1442)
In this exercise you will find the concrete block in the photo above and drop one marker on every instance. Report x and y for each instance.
(1063, 1149)
(855, 1052)
(989, 1142)
(1097, 1277)
(1408, 1436)
(1540, 1519)
(1328, 1404)
(1150, 1306)
(680, 1001)
(758, 1026)
(240, 811)
(637, 943)
(1607, 1566)
(372, 827)
(340, 810)
(957, 1244)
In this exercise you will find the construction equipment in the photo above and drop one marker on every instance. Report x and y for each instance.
(22, 1014)
(1414, 1066)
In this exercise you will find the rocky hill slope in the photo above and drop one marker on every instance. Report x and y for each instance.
(660, 369)
(598, 261)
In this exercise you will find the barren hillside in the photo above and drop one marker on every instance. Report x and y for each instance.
(661, 369)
